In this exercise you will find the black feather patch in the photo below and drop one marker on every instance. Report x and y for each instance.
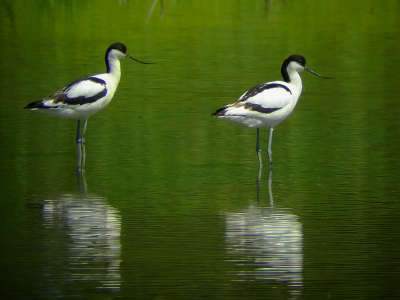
(259, 108)
(60, 97)
(251, 93)
(36, 104)
(220, 111)
(262, 87)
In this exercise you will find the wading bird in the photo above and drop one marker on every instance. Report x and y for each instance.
(268, 104)
(86, 96)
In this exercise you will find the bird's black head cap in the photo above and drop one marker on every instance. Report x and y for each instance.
(117, 46)
(292, 58)
(297, 58)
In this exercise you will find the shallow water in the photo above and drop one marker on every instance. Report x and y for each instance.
(169, 206)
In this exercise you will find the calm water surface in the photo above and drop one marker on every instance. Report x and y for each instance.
(168, 207)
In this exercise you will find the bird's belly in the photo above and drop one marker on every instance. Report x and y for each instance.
(83, 111)
(259, 120)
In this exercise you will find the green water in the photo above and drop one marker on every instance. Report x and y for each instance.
(168, 207)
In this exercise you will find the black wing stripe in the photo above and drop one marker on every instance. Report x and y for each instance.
(36, 104)
(262, 87)
(259, 108)
(251, 93)
(220, 111)
(62, 98)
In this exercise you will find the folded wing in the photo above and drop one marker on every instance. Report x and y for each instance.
(80, 92)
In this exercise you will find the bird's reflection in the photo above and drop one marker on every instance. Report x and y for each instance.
(258, 185)
(163, 4)
(82, 242)
(266, 243)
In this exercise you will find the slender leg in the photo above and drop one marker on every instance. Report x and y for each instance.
(79, 158)
(78, 148)
(78, 139)
(259, 174)
(84, 131)
(271, 196)
(83, 148)
(271, 131)
(258, 183)
(258, 149)
(82, 157)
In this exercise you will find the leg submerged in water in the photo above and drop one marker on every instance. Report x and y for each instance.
(83, 148)
(78, 132)
(81, 137)
(80, 141)
(84, 131)
(258, 149)
(271, 131)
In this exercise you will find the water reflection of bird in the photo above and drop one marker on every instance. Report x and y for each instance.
(82, 241)
(268, 104)
(86, 96)
(266, 243)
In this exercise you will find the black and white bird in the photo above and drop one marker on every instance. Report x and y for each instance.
(86, 96)
(268, 104)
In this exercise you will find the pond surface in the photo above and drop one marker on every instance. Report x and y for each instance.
(169, 207)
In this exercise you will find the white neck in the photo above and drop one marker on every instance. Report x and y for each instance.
(295, 79)
(114, 68)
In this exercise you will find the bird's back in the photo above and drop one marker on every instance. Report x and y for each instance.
(264, 105)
